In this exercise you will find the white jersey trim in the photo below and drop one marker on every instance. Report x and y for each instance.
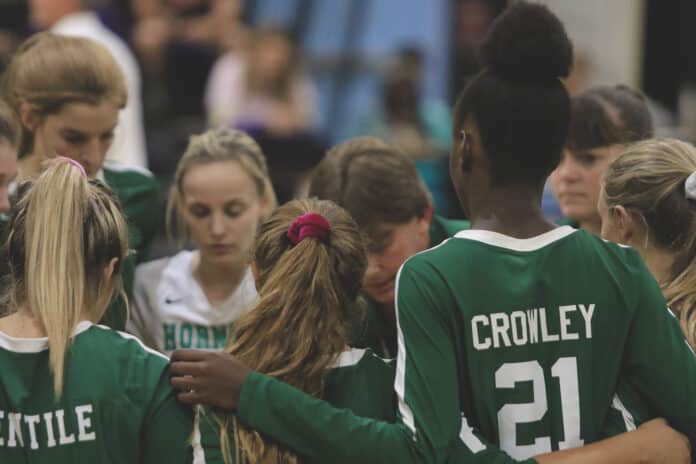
(35, 345)
(469, 438)
(516, 244)
(400, 378)
(349, 358)
(133, 337)
(198, 451)
(628, 419)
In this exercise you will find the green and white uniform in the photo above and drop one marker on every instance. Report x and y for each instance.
(117, 405)
(139, 194)
(359, 381)
(170, 310)
(375, 328)
(519, 344)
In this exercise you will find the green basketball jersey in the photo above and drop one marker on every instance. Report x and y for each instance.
(360, 382)
(504, 344)
(117, 405)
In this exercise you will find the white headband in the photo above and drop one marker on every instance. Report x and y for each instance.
(690, 186)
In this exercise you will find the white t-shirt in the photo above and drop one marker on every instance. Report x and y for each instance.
(170, 310)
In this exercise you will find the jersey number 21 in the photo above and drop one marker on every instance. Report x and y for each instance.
(566, 371)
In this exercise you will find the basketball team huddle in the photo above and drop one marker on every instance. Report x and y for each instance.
(353, 325)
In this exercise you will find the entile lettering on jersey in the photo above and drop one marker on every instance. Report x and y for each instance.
(28, 431)
(531, 326)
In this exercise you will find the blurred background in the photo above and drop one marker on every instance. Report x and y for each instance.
(301, 75)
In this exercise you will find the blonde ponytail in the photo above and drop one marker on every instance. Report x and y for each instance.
(65, 232)
(54, 261)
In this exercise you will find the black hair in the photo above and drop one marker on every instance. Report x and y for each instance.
(605, 116)
(518, 102)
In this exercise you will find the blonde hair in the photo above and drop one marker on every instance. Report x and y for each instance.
(10, 129)
(648, 179)
(59, 275)
(50, 70)
(215, 146)
(296, 330)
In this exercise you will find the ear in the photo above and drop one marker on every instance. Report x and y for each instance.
(424, 220)
(464, 151)
(626, 224)
(110, 269)
(28, 117)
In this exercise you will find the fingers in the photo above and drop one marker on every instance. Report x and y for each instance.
(180, 368)
(185, 383)
(190, 397)
(189, 355)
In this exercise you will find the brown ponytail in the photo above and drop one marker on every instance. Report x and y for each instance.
(305, 292)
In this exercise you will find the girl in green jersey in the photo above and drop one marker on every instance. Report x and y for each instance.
(308, 263)
(67, 93)
(71, 390)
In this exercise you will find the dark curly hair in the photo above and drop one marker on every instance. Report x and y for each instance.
(518, 101)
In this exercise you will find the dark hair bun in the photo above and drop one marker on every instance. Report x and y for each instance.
(528, 43)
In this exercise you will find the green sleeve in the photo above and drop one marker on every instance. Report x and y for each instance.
(426, 384)
(144, 212)
(323, 433)
(658, 361)
(168, 427)
(431, 424)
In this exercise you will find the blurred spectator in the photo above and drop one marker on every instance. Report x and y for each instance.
(471, 21)
(13, 28)
(178, 42)
(262, 87)
(72, 17)
(419, 127)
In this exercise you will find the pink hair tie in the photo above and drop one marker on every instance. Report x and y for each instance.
(73, 162)
(309, 225)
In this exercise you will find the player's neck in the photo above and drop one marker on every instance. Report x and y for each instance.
(29, 167)
(592, 225)
(659, 262)
(21, 324)
(513, 210)
(217, 281)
